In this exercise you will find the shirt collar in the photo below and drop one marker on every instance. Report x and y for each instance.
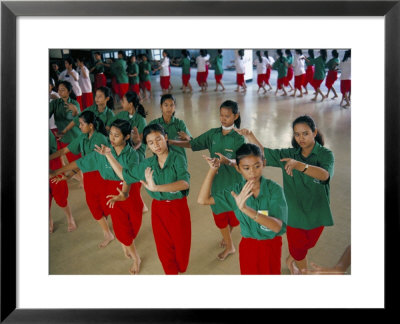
(315, 149)
(163, 121)
(154, 162)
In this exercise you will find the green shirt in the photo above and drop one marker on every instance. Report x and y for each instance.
(332, 63)
(174, 169)
(98, 68)
(290, 60)
(214, 141)
(270, 198)
(307, 198)
(135, 120)
(144, 66)
(106, 116)
(52, 142)
(320, 65)
(93, 161)
(63, 117)
(118, 69)
(133, 68)
(85, 145)
(280, 65)
(185, 63)
(175, 125)
(218, 65)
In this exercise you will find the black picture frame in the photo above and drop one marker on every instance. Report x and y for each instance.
(9, 13)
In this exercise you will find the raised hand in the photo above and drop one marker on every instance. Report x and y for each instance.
(183, 136)
(103, 150)
(245, 194)
(114, 198)
(58, 178)
(290, 165)
(243, 131)
(71, 107)
(149, 183)
(135, 136)
(214, 163)
(223, 159)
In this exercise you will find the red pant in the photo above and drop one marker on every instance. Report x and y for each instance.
(121, 88)
(100, 81)
(267, 76)
(222, 220)
(201, 78)
(299, 81)
(240, 79)
(289, 76)
(281, 82)
(345, 86)
(185, 79)
(316, 84)
(70, 156)
(261, 79)
(87, 100)
(172, 233)
(164, 82)
(126, 215)
(58, 191)
(330, 79)
(94, 186)
(145, 85)
(309, 75)
(79, 99)
(260, 256)
(218, 78)
(301, 240)
(135, 88)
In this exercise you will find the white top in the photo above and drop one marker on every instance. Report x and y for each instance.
(52, 122)
(84, 83)
(261, 66)
(201, 62)
(75, 84)
(271, 61)
(164, 67)
(345, 68)
(299, 65)
(239, 65)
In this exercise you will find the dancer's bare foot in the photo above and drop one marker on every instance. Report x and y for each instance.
(323, 98)
(292, 95)
(222, 243)
(300, 96)
(223, 255)
(314, 99)
(71, 225)
(334, 97)
(108, 238)
(291, 264)
(51, 226)
(126, 252)
(145, 209)
(135, 268)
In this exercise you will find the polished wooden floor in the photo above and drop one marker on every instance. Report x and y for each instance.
(270, 118)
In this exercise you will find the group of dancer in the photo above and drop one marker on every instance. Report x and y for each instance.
(109, 149)
(136, 75)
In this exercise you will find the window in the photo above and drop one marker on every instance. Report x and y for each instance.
(156, 54)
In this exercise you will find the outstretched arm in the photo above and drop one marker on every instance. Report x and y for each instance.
(106, 151)
(204, 197)
(168, 187)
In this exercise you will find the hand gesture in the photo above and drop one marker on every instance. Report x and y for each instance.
(243, 131)
(223, 159)
(290, 165)
(183, 136)
(59, 135)
(103, 150)
(52, 174)
(59, 178)
(114, 198)
(135, 137)
(244, 194)
(71, 107)
(149, 183)
(214, 163)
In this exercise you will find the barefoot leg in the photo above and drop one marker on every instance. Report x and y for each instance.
(108, 236)
(70, 218)
(135, 268)
(230, 248)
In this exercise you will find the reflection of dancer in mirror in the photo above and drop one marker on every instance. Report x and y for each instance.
(261, 64)
(185, 64)
(289, 75)
(271, 61)
(345, 78)
(281, 65)
(240, 70)
(260, 207)
(221, 141)
(219, 70)
(307, 169)
(309, 70)
(166, 180)
(332, 73)
(299, 72)
(319, 73)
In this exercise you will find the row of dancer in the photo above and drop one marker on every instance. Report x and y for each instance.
(234, 186)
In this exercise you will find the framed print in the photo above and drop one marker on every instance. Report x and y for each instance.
(372, 194)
